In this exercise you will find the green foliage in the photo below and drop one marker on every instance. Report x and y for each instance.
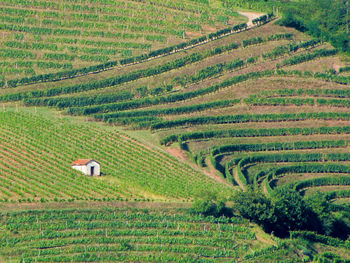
(127, 235)
(254, 133)
(307, 57)
(325, 19)
(292, 212)
(248, 118)
(284, 212)
(157, 112)
(79, 101)
(255, 206)
(208, 203)
(32, 139)
(110, 64)
(314, 237)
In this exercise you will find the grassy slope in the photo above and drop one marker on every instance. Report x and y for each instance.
(137, 171)
(96, 32)
(38, 148)
(241, 90)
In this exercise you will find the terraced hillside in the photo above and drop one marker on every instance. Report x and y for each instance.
(260, 106)
(143, 235)
(40, 37)
(224, 101)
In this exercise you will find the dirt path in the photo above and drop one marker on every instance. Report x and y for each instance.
(178, 153)
(212, 173)
(235, 176)
(182, 156)
(264, 188)
(251, 16)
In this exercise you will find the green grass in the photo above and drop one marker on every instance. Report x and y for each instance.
(38, 143)
(70, 34)
(152, 235)
(37, 150)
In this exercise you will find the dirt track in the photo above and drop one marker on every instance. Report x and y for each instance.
(251, 16)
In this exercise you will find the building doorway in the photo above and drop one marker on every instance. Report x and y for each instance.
(92, 170)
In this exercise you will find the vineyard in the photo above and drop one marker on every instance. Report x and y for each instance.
(36, 153)
(217, 101)
(173, 98)
(40, 37)
(106, 235)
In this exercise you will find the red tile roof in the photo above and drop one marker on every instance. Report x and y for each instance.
(82, 161)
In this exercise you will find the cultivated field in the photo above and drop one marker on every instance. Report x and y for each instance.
(40, 37)
(143, 235)
(169, 107)
(37, 150)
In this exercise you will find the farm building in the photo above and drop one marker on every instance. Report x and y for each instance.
(87, 166)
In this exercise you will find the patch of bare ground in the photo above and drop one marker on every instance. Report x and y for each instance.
(193, 34)
(288, 178)
(236, 177)
(326, 188)
(178, 153)
(182, 156)
(251, 16)
(213, 173)
(197, 145)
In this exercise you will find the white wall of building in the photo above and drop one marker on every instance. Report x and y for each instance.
(86, 169)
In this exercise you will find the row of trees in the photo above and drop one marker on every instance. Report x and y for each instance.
(255, 100)
(307, 57)
(217, 151)
(120, 79)
(252, 41)
(104, 66)
(249, 118)
(317, 75)
(215, 70)
(276, 146)
(253, 133)
(305, 168)
(165, 99)
(177, 110)
(338, 93)
(63, 102)
(289, 48)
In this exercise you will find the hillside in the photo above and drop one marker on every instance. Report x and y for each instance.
(140, 234)
(40, 37)
(222, 105)
(37, 150)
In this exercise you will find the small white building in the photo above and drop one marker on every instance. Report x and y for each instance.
(87, 166)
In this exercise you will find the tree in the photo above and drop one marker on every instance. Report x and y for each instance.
(208, 203)
(290, 20)
(285, 211)
(257, 207)
(292, 212)
(330, 224)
